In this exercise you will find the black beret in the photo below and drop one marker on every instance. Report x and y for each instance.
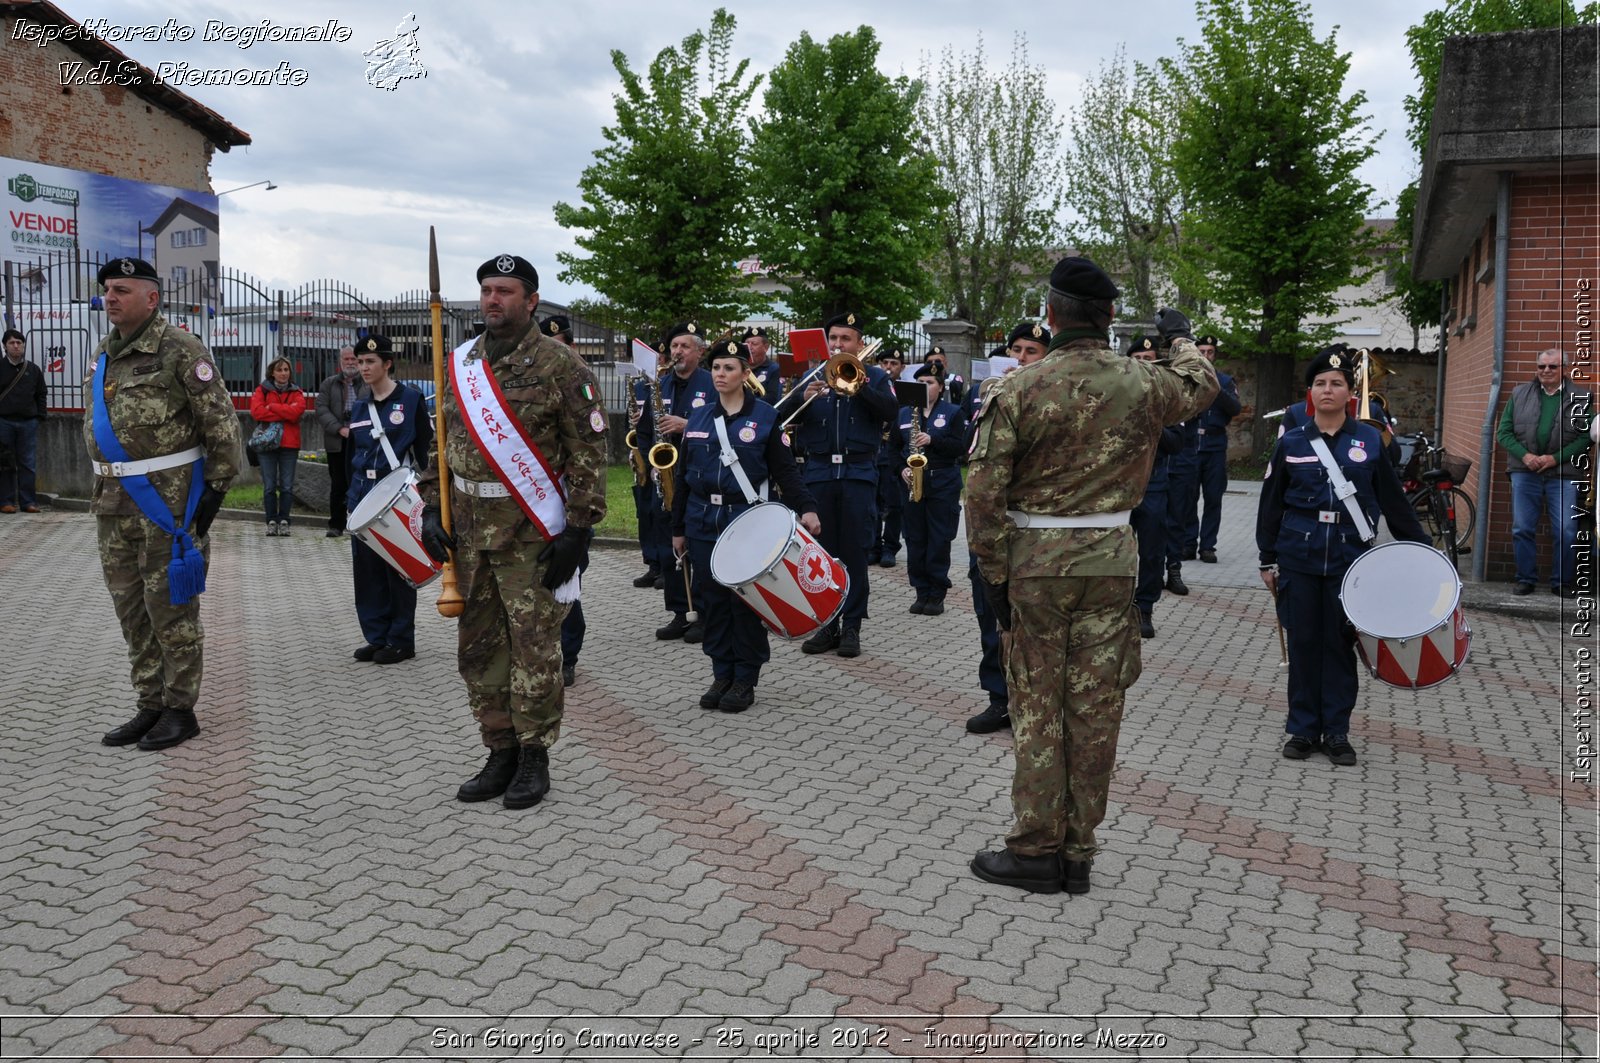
(682, 328)
(1002, 351)
(1029, 331)
(758, 333)
(729, 349)
(892, 352)
(13, 334)
(510, 266)
(936, 349)
(1141, 343)
(555, 325)
(1207, 341)
(373, 343)
(1081, 279)
(132, 268)
(847, 320)
(1338, 357)
(661, 347)
(933, 369)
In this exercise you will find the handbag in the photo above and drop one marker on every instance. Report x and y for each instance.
(266, 437)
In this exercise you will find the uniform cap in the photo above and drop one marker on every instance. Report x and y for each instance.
(132, 268)
(730, 349)
(682, 328)
(510, 266)
(1141, 343)
(933, 369)
(372, 343)
(892, 352)
(1207, 341)
(846, 320)
(1028, 330)
(555, 325)
(1338, 357)
(758, 333)
(1081, 279)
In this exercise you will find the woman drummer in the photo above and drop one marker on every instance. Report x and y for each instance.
(710, 495)
(1308, 539)
(389, 427)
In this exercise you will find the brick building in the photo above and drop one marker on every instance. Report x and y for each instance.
(1508, 214)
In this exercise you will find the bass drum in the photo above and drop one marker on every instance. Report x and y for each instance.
(1404, 600)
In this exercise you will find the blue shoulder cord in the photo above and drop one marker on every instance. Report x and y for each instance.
(186, 572)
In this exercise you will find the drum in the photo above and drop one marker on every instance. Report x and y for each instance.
(1404, 600)
(776, 568)
(389, 521)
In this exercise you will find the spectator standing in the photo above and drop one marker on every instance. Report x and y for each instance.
(22, 407)
(278, 398)
(336, 397)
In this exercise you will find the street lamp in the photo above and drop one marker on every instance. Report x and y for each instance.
(241, 188)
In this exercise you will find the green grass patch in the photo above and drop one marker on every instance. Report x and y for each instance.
(245, 497)
(621, 522)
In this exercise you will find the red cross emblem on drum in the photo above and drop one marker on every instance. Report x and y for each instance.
(813, 568)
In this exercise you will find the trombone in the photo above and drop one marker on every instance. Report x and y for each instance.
(845, 374)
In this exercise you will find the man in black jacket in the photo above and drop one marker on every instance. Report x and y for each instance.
(22, 407)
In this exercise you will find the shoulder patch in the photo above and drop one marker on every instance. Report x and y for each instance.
(597, 420)
(203, 371)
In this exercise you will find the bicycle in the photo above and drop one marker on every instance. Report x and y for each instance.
(1429, 476)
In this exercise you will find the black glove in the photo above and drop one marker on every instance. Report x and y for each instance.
(205, 510)
(1171, 324)
(563, 555)
(998, 595)
(438, 542)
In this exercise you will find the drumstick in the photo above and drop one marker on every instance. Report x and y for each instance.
(1283, 649)
(683, 563)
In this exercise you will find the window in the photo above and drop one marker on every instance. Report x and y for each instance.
(197, 238)
(180, 238)
(180, 275)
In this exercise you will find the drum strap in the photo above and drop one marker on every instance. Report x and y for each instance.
(730, 458)
(382, 436)
(1343, 489)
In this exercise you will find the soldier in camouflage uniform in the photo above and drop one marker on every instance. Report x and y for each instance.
(1061, 455)
(509, 640)
(166, 403)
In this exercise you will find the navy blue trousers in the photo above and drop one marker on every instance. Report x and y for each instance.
(849, 514)
(647, 508)
(1322, 657)
(574, 626)
(991, 668)
(1202, 528)
(1150, 529)
(385, 603)
(891, 499)
(930, 525)
(736, 639)
(1183, 484)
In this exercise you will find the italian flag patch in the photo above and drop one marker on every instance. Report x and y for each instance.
(589, 394)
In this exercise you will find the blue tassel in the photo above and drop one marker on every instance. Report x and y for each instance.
(186, 573)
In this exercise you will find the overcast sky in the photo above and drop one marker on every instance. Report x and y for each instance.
(516, 95)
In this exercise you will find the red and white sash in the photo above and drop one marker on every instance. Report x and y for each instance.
(504, 443)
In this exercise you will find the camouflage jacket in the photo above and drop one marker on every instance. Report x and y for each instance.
(1072, 435)
(554, 395)
(164, 394)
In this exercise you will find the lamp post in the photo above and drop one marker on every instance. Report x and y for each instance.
(241, 188)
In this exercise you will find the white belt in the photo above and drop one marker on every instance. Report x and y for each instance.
(481, 489)
(144, 465)
(1088, 520)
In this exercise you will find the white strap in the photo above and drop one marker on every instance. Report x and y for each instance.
(381, 435)
(1343, 489)
(730, 458)
(144, 465)
(1086, 520)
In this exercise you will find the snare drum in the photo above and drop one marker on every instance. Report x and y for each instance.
(1404, 600)
(777, 568)
(389, 521)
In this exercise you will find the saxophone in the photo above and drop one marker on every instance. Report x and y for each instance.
(663, 455)
(917, 461)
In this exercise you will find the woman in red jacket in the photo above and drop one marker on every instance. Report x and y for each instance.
(279, 399)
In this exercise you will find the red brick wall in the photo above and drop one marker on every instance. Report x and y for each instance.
(1554, 232)
(101, 129)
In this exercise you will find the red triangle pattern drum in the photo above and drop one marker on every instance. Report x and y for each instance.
(1404, 601)
(778, 569)
(389, 520)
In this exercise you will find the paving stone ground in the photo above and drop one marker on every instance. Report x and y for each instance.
(790, 883)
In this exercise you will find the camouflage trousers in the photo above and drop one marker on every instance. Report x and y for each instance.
(165, 641)
(509, 651)
(1074, 650)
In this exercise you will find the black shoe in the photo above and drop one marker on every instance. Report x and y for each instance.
(660, 583)
(532, 780)
(1147, 628)
(1075, 875)
(918, 605)
(333, 533)
(826, 638)
(393, 654)
(739, 697)
(1340, 751)
(887, 561)
(366, 651)
(713, 695)
(1188, 553)
(933, 607)
(696, 632)
(648, 579)
(1522, 588)
(1208, 556)
(133, 730)
(996, 716)
(872, 559)
(1036, 874)
(673, 630)
(1297, 748)
(493, 778)
(1175, 584)
(175, 726)
(569, 674)
(849, 642)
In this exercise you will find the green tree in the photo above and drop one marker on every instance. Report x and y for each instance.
(1121, 185)
(846, 203)
(1266, 150)
(666, 207)
(1421, 301)
(997, 141)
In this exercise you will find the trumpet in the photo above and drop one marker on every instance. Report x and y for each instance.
(917, 461)
(845, 374)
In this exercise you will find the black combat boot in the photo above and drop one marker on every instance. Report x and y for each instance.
(133, 730)
(713, 695)
(740, 696)
(493, 778)
(1075, 875)
(933, 607)
(825, 639)
(673, 630)
(695, 632)
(1036, 874)
(175, 726)
(849, 642)
(532, 780)
(1175, 584)
(649, 578)
(996, 716)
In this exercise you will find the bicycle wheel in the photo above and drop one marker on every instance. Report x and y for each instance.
(1433, 515)
(1465, 512)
